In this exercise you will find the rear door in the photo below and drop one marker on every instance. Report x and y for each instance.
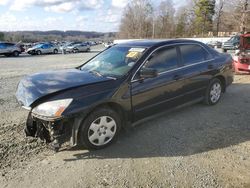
(197, 68)
(154, 95)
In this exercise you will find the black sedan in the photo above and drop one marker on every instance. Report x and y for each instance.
(89, 105)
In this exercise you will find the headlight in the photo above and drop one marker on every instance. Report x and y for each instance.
(52, 108)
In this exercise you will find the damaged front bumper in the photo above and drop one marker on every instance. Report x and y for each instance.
(54, 131)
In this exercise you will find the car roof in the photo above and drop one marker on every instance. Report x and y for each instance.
(156, 42)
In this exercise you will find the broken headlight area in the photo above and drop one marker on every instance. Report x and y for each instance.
(54, 132)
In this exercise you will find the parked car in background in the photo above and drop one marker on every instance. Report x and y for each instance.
(43, 48)
(88, 105)
(215, 44)
(242, 56)
(9, 49)
(75, 48)
(232, 44)
(108, 44)
(66, 47)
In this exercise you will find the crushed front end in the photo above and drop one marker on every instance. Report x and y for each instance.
(56, 132)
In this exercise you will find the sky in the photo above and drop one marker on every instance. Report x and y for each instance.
(84, 15)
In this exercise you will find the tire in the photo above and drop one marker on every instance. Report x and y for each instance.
(88, 50)
(38, 52)
(15, 53)
(214, 92)
(224, 50)
(75, 51)
(100, 129)
(7, 55)
(55, 51)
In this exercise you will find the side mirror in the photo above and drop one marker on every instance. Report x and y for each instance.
(148, 73)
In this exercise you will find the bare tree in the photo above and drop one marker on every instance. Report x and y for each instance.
(218, 14)
(165, 19)
(244, 16)
(137, 20)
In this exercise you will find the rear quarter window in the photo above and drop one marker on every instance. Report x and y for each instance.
(192, 53)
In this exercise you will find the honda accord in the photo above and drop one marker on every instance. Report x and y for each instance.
(88, 105)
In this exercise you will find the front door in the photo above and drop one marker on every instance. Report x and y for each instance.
(157, 94)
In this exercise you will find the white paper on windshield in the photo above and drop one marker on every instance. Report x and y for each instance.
(137, 49)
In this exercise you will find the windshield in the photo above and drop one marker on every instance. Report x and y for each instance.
(116, 61)
(234, 38)
(38, 46)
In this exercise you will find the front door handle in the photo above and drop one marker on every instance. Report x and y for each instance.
(177, 77)
(210, 66)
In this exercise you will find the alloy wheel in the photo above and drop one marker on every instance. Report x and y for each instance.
(215, 92)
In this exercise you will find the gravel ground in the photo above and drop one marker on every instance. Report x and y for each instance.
(196, 146)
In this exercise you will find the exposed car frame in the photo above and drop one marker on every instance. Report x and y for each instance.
(242, 56)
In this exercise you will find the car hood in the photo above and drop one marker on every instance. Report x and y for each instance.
(36, 86)
(30, 49)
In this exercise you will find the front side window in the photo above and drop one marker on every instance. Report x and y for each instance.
(9, 44)
(38, 46)
(163, 59)
(116, 61)
(192, 53)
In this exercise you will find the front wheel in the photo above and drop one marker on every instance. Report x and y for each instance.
(15, 53)
(55, 51)
(39, 52)
(75, 51)
(214, 92)
(100, 129)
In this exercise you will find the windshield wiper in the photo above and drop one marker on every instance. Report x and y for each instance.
(95, 73)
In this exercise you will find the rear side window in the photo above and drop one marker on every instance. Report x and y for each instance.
(192, 53)
(163, 59)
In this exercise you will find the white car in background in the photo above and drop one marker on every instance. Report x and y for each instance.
(75, 48)
(108, 44)
(43, 48)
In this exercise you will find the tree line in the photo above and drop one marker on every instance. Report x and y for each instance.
(54, 35)
(198, 18)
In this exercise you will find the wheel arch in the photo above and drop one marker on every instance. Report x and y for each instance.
(112, 105)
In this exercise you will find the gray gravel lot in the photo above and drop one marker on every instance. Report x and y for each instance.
(196, 146)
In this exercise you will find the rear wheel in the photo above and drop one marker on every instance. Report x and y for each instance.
(7, 55)
(214, 92)
(100, 129)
